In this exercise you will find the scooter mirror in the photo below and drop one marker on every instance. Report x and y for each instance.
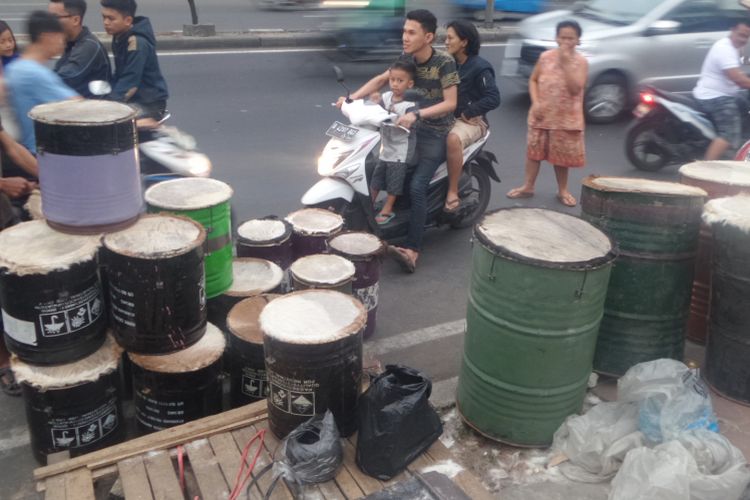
(340, 74)
(99, 87)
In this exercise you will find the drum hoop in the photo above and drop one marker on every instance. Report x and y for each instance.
(304, 232)
(590, 183)
(267, 297)
(149, 194)
(197, 243)
(267, 243)
(39, 118)
(357, 256)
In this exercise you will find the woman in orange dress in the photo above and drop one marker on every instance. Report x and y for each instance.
(556, 120)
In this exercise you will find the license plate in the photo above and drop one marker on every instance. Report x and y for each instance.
(641, 110)
(342, 131)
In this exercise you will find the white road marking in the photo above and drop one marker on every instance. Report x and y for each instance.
(416, 337)
(14, 438)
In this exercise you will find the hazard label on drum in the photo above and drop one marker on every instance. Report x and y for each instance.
(296, 397)
(70, 314)
(83, 430)
(255, 387)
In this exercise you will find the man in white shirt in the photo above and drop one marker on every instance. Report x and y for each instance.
(719, 88)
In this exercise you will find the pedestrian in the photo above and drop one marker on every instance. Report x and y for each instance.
(555, 122)
(477, 95)
(85, 59)
(8, 47)
(397, 145)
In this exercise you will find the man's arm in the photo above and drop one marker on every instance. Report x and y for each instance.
(15, 187)
(490, 96)
(79, 63)
(738, 77)
(131, 74)
(374, 85)
(19, 154)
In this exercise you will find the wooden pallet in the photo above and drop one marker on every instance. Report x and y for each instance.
(146, 466)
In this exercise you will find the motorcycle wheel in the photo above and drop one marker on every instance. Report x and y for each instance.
(481, 188)
(642, 151)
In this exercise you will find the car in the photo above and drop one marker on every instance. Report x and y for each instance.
(508, 8)
(628, 43)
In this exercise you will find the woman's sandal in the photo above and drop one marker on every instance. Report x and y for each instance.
(383, 219)
(8, 382)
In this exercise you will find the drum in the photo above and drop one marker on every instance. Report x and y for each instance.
(176, 388)
(248, 381)
(311, 229)
(75, 407)
(655, 225)
(269, 239)
(206, 201)
(51, 296)
(728, 350)
(364, 250)
(88, 165)
(313, 347)
(322, 271)
(718, 179)
(251, 277)
(155, 277)
(536, 298)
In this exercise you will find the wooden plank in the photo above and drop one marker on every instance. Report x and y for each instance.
(467, 481)
(165, 484)
(228, 455)
(135, 484)
(270, 444)
(168, 438)
(366, 483)
(206, 469)
(79, 485)
(347, 484)
(330, 491)
(56, 485)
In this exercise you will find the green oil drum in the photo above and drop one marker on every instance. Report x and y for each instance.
(206, 201)
(538, 283)
(655, 225)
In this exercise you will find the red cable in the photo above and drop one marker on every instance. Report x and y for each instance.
(181, 466)
(239, 482)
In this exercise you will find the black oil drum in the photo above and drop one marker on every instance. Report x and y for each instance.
(311, 229)
(313, 347)
(269, 239)
(156, 284)
(52, 302)
(74, 407)
(176, 388)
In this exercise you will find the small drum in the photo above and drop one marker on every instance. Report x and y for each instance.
(311, 229)
(177, 388)
(251, 277)
(727, 369)
(365, 251)
(75, 407)
(268, 239)
(156, 284)
(313, 346)
(51, 296)
(88, 165)
(718, 179)
(206, 201)
(246, 365)
(322, 271)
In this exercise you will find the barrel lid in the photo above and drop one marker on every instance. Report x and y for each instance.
(89, 369)
(252, 276)
(730, 211)
(315, 221)
(544, 237)
(263, 231)
(157, 236)
(82, 112)
(243, 318)
(645, 186)
(190, 193)
(196, 357)
(356, 243)
(313, 317)
(730, 173)
(35, 248)
(322, 268)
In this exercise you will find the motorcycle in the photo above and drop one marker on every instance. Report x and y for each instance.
(370, 34)
(669, 129)
(348, 161)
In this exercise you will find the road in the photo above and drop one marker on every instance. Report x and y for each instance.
(261, 117)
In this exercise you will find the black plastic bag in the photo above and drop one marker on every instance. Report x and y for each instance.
(396, 421)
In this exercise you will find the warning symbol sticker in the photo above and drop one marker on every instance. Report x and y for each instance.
(303, 403)
(280, 398)
(254, 387)
(68, 315)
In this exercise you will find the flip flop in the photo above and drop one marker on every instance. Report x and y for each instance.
(8, 382)
(383, 219)
(518, 193)
(402, 259)
(452, 206)
(567, 200)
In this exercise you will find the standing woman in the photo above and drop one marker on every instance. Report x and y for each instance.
(477, 96)
(555, 120)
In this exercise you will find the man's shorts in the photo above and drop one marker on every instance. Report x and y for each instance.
(389, 176)
(562, 148)
(469, 132)
(725, 114)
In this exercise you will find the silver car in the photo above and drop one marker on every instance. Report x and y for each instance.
(628, 43)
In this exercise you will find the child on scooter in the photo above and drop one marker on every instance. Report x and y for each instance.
(397, 145)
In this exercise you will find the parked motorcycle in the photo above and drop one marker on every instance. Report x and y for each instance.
(348, 161)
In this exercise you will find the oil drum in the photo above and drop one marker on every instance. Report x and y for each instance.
(536, 298)
(51, 295)
(312, 341)
(74, 407)
(322, 271)
(269, 239)
(655, 225)
(311, 229)
(156, 283)
(173, 389)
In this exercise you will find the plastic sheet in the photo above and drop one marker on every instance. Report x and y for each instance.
(312, 452)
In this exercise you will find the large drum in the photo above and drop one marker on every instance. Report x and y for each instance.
(655, 225)
(727, 369)
(718, 179)
(75, 407)
(51, 296)
(177, 388)
(322, 271)
(251, 277)
(313, 348)
(311, 229)
(538, 284)
(269, 239)
(365, 251)
(248, 381)
(206, 201)
(88, 165)
(156, 284)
